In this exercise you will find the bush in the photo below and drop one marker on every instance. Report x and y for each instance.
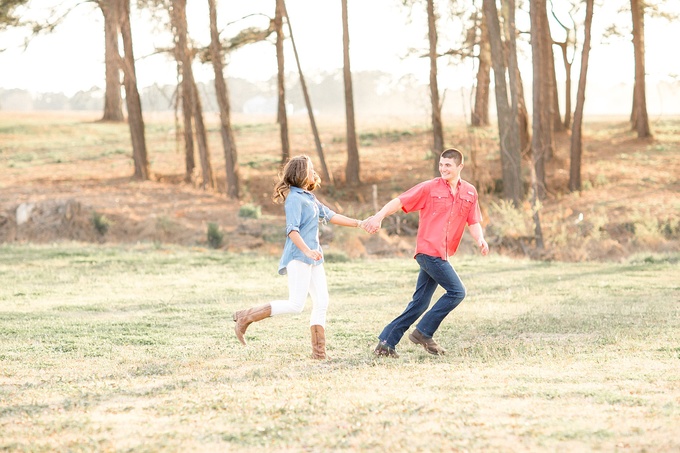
(101, 223)
(508, 221)
(250, 211)
(215, 235)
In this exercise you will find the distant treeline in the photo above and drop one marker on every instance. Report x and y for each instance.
(376, 93)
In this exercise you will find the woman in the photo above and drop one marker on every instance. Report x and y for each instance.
(302, 258)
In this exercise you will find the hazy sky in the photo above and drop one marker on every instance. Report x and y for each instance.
(381, 32)
(75, 57)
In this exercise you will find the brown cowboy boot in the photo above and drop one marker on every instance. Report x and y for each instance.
(429, 344)
(318, 342)
(244, 318)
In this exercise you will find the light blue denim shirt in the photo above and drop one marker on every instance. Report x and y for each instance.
(303, 213)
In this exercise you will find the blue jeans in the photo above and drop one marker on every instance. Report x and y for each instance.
(433, 271)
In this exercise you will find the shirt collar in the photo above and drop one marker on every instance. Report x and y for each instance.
(299, 190)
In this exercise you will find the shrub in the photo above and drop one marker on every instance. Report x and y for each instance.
(250, 211)
(648, 229)
(508, 221)
(101, 223)
(215, 235)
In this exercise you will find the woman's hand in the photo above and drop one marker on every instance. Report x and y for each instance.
(371, 225)
(313, 254)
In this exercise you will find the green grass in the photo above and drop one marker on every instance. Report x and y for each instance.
(132, 349)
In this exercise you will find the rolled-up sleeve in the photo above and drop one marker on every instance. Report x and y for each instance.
(293, 214)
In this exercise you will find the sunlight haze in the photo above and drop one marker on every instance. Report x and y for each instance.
(381, 33)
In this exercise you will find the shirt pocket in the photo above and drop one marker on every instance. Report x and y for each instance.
(440, 201)
(466, 203)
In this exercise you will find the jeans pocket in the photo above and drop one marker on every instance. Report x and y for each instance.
(426, 262)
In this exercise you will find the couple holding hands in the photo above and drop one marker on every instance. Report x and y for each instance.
(446, 204)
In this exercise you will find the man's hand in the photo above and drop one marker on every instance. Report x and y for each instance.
(483, 247)
(371, 225)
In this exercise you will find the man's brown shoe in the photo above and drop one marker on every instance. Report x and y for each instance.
(429, 344)
(385, 350)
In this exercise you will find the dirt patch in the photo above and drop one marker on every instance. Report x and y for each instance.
(121, 210)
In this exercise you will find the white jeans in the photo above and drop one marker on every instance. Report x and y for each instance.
(305, 279)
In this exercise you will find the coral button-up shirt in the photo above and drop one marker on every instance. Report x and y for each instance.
(443, 216)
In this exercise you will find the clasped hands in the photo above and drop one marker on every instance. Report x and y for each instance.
(370, 225)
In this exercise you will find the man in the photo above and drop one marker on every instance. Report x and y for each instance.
(445, 204)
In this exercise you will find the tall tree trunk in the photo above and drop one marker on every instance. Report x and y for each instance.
(558, 126)
(185, 89)
(437, 127)
(132, 99)
(508, 125)
(188, 132)
(191, 96)
(542, 120)
(523, 116)
(185, 130)
(641, 120)
(480, 112)
(518, 102)
(518, 114)
(567, 84)
(576, 132)
(549, 86)
(282, 115)
(541, 124)
(208, 181)
(633, 110)
(222, 92)
(113, 100)
(352, 170)
(328, 176)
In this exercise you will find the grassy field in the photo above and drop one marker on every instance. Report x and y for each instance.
(131, 348)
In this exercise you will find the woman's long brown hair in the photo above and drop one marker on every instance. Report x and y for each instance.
(294, 174)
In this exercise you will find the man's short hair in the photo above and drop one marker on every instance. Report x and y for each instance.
(453, 153)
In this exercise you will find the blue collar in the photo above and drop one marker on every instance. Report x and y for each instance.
(299, 190)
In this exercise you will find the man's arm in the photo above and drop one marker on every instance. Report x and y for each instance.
(372, 224)
(478, 235)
